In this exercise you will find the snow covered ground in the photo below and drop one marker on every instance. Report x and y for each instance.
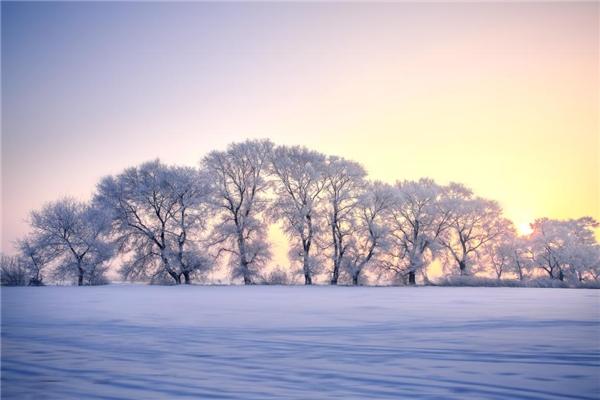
(143, 342)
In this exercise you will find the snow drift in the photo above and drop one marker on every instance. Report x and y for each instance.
(268, 342)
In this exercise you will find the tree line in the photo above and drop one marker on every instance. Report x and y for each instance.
(175, 224)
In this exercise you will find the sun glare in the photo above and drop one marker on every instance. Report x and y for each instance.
(524, 229)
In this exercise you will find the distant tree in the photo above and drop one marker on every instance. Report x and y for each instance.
(589, 265)
(418, 220)
(473, 223)
(499, 254)
(76, 235)
(562, 247)
(36, 255)
(585, 261)
(344, 184)
(157, 211)
(520, 261)
(279, 276)
(13, 271)
(370, 233)
(300, 186)
(239, 187)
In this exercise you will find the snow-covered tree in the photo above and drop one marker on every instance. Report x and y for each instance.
(563, 247)
(300, 186)
(589, 265)
(585, 261)
(192, 191)
(499, 255)
(238, 178)
(36, 256)
(369, 233)
(76, 234)
(279, 276)
(473, 223)
(157, 212)
(173, 223)
(419, 218)
(520, 261)
(344, 185)
(13, 271)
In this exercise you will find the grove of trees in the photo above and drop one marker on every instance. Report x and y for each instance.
(171, 224)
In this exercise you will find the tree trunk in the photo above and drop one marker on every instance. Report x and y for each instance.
(80, 278)
(307, 278)
(412, 279)
(336, 274)
(306, 268)
(355, 277)
(463, 267)
(415, 264)
(243, 259)
(176, 277)
(186, 275)
(519, 268)
(336, 250)
(245, 272)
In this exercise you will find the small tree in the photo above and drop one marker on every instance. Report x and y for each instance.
(520, 262)
(279, 276)
(13, 271)
(36, 256)
(584, 261)
(75, 234)
(498, 255)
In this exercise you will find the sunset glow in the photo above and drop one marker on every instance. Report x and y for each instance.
(524, 229)
(500, 97)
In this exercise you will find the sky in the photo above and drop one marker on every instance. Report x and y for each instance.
(502, 97)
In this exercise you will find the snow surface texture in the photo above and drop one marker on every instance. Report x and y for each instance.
(144, 342)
